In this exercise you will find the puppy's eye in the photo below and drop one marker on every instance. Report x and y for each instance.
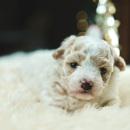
(102, 71)
(73, 64)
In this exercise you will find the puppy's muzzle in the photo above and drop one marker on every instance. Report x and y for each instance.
(86, 85)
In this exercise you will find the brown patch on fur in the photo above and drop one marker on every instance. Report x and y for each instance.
(75, 57)
(79, 47)
(105, 63)
(66, 44)
(67, 51)
(100, 61)
(120, 63)
(71, 43)
(58, 53)
(76, 48)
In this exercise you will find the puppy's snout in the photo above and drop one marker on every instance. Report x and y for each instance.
(86, 85)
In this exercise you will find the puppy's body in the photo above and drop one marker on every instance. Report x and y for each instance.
(51, 76)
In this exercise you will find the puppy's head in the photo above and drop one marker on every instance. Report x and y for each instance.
(86, 66)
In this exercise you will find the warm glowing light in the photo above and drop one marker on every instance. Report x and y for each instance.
(107, 37)
(81, 15)
(117, 23)
(109, 26)
(113, 36)
(112, 9)
(117, 51)
(94, 0)
(102, 1)
(110, 21)
(101, 9)
(81, 33)
(82, 24)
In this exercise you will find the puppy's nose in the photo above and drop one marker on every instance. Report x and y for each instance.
(86, 85)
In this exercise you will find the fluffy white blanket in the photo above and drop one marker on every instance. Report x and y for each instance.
(38, 117)
(19, 109)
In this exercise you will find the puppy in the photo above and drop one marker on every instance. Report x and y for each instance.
(88, 71)
(83, 70)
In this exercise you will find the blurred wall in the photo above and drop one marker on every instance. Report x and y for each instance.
(123, 14)
(32, 24)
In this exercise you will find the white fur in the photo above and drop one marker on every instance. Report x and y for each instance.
(27, 88)
(48, 79)
(39, 117)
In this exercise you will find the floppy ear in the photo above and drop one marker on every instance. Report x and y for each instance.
(120, 63)
(64, 45)
(118, 60)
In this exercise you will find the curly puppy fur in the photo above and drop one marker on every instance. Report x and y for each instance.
(83, 70)
(90, 54)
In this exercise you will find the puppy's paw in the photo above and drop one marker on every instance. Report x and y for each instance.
(111, 102)
(114, 102)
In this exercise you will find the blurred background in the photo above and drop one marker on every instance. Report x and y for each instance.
(27, 25)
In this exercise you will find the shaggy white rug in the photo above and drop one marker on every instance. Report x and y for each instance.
(38, 117)
(20, 110)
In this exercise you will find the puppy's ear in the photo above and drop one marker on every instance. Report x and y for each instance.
(64, 45)
(59, 52)
(120, 63)
(118, 60)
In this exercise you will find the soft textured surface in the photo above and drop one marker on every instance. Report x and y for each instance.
(38, 117)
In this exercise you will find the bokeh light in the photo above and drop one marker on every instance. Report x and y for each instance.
(82, 24)
(112, 9)
(107, 23)
(94, 1)
(110, 21)
(101, 9)
(117, 51)
(81, 15)
(81, 33)
(102, 1)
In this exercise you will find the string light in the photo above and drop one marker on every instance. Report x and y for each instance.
(101, 9)
(105, 20)
(109, 26)
(82, 23)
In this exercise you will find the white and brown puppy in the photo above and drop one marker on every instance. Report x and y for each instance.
(82, 70)
(86, 71)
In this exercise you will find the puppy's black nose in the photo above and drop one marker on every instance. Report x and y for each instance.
(86, 85)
